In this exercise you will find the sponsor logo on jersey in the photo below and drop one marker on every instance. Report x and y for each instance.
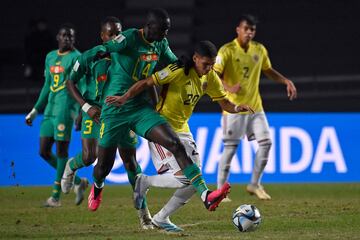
(149, 57)
(256, 58)
(61, 127)
(57, 69)
(102, 78)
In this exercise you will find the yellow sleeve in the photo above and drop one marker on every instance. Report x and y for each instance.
(266, 64)
(221, 59)
(215, 88)
(167, 75)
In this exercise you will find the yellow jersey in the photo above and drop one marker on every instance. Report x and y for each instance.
(180, 93)
(237, 66)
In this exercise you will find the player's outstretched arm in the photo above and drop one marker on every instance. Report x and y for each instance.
(278, 77)
(228, 106)
(135, 89)
(93, 111)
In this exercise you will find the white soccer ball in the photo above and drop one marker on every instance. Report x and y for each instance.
(246, 218)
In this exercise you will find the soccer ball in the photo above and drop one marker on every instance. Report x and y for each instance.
(246, 218)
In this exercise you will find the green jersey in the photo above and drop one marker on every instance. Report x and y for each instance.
(90, 77)
(133, 58)
(54, 93)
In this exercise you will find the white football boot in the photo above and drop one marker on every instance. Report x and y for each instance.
(145, 219)
(67, 180)
(52, 202)
(165, 224)
(79, 190)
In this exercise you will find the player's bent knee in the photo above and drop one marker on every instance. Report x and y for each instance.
(265, 143)
(129, 165)
(89, 158)
(45, 154)
(174, 145)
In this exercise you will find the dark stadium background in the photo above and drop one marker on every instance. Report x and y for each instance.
(315, 43)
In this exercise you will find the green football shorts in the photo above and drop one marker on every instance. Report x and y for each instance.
(89, 128)
(57, 127)
(115, 128)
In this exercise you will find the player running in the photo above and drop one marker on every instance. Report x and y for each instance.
(140, 51)
(59, 113)
(183, 84)
(240, 64)
(90, 99)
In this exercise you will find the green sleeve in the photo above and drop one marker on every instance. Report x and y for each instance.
(44, 94)
(78, 71)
(83, 63)
(167, 56)
(116, 45)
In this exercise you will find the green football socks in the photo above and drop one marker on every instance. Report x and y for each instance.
(61, 162)
(77, 162)
(192, 172)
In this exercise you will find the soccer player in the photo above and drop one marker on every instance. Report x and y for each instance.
(134, 56)
(184, 83)
(59, 112)
(90, 99)
(239, 64)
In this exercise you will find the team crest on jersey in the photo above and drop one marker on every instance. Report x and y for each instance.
(163, 74)
(61, 127)
(256, 58)
(149, 57)
(57, 69)
(58, 63)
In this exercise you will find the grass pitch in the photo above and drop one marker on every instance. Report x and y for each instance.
(321, 211)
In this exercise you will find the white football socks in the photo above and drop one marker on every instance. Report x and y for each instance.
(179, 199)
(166, 180)
(261, 158)
(224, 164)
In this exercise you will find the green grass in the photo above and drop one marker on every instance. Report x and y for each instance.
(298, 211)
